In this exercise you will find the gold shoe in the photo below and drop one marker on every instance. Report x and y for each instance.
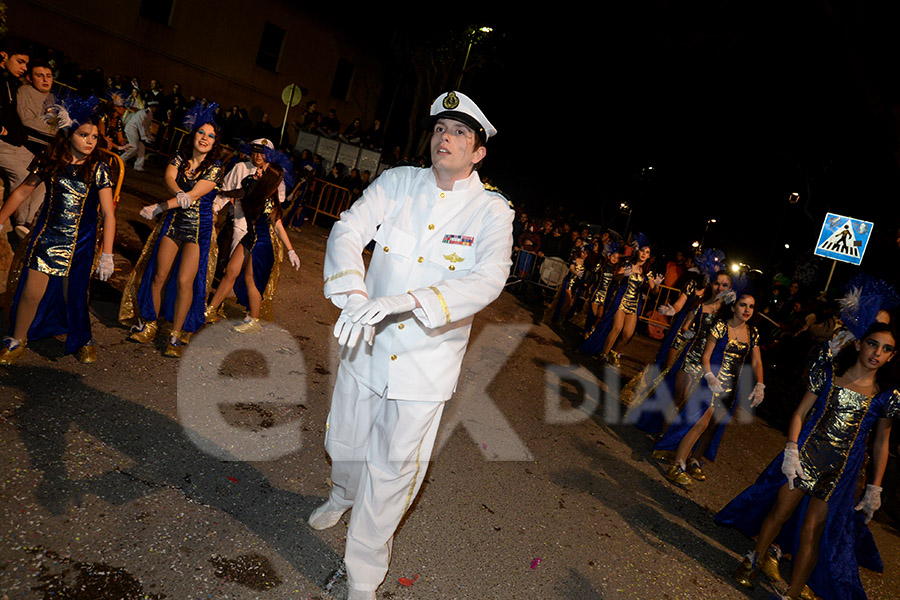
(612, 358)
(212, 315)
(144, 331)
(676, 475)
(174, 345)
(249, 325)
(747, 571)
(807, 594)
(695, 471)
(9, 354)
(768, 564)
(87, 354)
(666, 455)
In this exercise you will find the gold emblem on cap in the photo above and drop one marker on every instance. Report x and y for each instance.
(451, 101)
(454, 258)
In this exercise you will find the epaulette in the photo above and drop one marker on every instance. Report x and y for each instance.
(496, 190)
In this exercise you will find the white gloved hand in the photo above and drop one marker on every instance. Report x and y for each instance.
(756, 396)
(295, 260)
(627, 270)
(666, 309)
(658, 280)
(839, 340)
(790, 466)
(713, 382)
(727, 296)
(346, 331)
(689, 334)
(374, 311)
(151, 211)
(871, 501)
(105, 267)
(184, 200)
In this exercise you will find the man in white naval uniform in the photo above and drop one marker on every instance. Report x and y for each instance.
(442, 253)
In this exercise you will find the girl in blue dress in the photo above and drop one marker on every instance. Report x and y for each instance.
(174, 268)
(51, 296)
(259, 252)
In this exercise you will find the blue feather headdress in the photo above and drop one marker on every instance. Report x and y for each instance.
(282, 160)
(710, 262)
(118, 96)
(71, 112)
(640, 240)
(864, 296)
(198, 115)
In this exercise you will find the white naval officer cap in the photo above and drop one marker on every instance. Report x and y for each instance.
(261, 143)
(458, 106)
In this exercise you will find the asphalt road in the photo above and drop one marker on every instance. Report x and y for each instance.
(146, 477)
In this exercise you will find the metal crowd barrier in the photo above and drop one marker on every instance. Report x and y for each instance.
(329, 199)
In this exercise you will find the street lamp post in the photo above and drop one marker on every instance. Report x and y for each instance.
(468, 50)
(705, 229)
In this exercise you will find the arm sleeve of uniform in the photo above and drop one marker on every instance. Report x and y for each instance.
(344, 267)
(456, 299)
(232, 181)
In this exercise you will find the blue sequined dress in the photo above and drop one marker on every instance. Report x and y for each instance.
(266, 252)
(63, 245)
(628, 297)
(832, 447)
(726, 361)
(191, 225)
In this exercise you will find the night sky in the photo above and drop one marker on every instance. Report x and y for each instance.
(734, 105)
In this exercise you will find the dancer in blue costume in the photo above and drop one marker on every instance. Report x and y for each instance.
(174, 268)
(51, 295)
(614, 330)
(698, 429)
(804, 499)
(259, 252)
(691, 306)
(564, 303)
(657, 405)
(606, 271)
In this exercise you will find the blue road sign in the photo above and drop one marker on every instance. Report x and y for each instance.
(843, 238)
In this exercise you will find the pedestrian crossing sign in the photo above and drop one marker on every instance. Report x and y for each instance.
(843, 238)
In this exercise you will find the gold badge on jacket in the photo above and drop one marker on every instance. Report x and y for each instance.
(454, 258)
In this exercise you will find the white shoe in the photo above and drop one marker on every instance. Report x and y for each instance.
(361, 594)
(22, 231)
(327, 515)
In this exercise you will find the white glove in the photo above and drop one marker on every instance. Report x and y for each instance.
(184, 201)
(790, 466)
(295, 260)
(727, 296)
(756, 396)
(666, 309)
(346, 331)
(658, 280)
(627, 270)
(838, 341)
(151, 211)
(689, 334)
(105, 267)
(714, 386)
(374, 311)
(871, 501)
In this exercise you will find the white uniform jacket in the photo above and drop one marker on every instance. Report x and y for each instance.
(450, 249)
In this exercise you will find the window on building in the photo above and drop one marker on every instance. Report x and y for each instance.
(270, 47)
(158, 11)
(343, 77)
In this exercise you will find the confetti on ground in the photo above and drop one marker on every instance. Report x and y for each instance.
(536, 562)
(406, 582)
(233, 479)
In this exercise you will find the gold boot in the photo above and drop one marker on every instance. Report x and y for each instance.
(175, 345)
(213, 315)
(747, 571)
(768, 564)
(676, 475)
(663, 455)
(612, 358)
(87, 354)
(144, 332)
(249, 325)
(11, 350)
(695, 471)
(807, 594)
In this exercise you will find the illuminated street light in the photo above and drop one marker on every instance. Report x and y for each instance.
(696, 244)
(484, 30)
(794, 198)
(735, 268)
(787, 246)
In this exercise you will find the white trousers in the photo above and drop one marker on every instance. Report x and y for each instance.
(14, 162)
(380, 449)
(137, 149)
